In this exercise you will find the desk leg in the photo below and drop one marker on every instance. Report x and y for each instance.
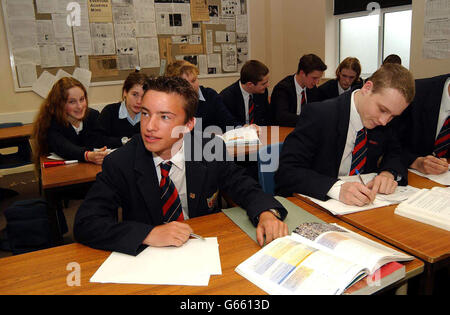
(53, 204)
(427, 279)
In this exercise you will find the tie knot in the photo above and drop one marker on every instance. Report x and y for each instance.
(165, 168)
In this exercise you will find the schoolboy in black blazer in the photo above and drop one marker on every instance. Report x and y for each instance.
(419, 123)
(347, 78)
(314, 154)
(130, 179)
(253, 82)
(287, 101)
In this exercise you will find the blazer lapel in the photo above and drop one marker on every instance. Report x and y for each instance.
(147, 182)
(343, 112)
(195, 172)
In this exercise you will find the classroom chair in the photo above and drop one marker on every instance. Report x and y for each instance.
(268, 161)
(11, 160)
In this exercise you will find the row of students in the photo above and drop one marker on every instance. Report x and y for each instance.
(321, 148)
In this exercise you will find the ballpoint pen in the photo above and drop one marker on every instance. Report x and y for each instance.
(360, 178)
(193, 234)
(362, 182)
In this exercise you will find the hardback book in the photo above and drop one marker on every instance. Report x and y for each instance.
(429, 206)
(241, 136)
(322, 258)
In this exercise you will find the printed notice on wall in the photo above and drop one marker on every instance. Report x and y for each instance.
(436, 38)
(100, 11)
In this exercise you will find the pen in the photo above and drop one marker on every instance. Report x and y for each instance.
(56, 163)
(362, 182)
(360, 178)
(197, 236)
(193, 235)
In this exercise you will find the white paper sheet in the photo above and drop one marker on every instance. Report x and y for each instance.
(44, 84)
(190, 264)
(443, 179)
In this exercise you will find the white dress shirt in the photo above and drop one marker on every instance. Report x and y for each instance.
(246, 97)
(80, 127)
(354, 126)
(178, 176)
(445, 107)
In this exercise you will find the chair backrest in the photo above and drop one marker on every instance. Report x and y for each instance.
(18, 158)
(11, 124)
(268, 161)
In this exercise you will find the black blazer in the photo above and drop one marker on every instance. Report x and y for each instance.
(330, 89)
(64, 141)
(284, 101)
(234, 101)
(114, 128)
(129, 180)
(312, 153)
(417, 125)
(213, 111)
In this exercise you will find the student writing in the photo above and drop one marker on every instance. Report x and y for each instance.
(163, 177)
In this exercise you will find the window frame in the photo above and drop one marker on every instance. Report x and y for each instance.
(381, 23)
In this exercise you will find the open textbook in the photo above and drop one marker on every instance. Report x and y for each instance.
(241, 136)
(337, 207)
(318, 258)
(430, 206)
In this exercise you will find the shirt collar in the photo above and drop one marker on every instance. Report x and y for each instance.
(244, 92)
(298, 88)
(200, 95)
(341, 90)
(355, 119)
(446, 97)
(123, 113)
(78, 130)
(178, 159)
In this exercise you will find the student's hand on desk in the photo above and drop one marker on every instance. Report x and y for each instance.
(383, 183)
(430, 165)
(356, 194)
(270, 226)
(97, 157)
(170, 234)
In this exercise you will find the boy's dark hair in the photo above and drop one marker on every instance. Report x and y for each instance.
(178, 86)
(309, 63)
(134, 78)
(393, 59)
(253, 71)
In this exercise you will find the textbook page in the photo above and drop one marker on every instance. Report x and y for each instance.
(443, 179)
(428, 206)
(241, 136)
(348, 245)
(286, 266)
(337, 207)
(191, 264)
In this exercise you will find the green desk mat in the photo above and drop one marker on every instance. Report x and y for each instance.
(295, 217)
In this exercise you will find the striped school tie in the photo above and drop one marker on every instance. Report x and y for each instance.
(442, 143)
(251, 110)
(359, 154)
(172, 210)
(303, 99)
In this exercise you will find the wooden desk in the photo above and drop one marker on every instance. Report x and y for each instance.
(413, 268)
(44, 272)
(424, 241)
(55, 181)
(23, 131)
